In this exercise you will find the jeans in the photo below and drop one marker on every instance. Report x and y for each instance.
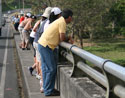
(49, 68)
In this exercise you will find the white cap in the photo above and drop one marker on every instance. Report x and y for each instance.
(56, 10)
(28, 14)
(47, 12)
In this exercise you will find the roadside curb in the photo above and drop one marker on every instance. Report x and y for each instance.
(31, 85)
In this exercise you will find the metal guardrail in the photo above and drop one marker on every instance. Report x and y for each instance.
(112, 76)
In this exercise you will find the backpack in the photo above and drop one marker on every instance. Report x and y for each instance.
(40, 29)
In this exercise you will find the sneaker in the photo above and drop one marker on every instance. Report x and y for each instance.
(41, 90)
(54, 93)
(23, 48)
(31, 70)
(38, 76)
(34, 73)
(27, 48)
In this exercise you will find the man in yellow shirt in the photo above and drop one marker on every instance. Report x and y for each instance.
(49, 40)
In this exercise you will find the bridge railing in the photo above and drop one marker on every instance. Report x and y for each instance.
(112, 76)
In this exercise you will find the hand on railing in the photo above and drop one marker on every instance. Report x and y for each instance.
(70, 40)
(65, 38)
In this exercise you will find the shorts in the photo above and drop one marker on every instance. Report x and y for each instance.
(20, 28)
(25, 34)
(38, 57)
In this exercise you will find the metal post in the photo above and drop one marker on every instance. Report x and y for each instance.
(115, 77)
(19, 4)
(23, 5)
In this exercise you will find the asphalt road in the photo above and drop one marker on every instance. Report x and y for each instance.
(8, 77)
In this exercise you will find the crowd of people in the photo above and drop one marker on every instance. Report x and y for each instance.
(44, 36)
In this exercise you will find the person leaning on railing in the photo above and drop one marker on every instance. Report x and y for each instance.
(51, 37)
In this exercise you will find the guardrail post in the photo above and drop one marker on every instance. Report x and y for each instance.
(61, 63)
(61, 58)
(76, 72)
(112, 83)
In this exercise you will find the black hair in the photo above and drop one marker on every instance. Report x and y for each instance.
(66, 13)
(21, 15)
(44, 18)
(45, 4)
(52, 17)
(33, 17)
(27, 16)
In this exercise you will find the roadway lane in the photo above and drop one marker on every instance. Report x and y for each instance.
(8, 75)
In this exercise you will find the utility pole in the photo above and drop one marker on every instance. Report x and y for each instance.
(0, 16)
(19, 4)
(23, 5)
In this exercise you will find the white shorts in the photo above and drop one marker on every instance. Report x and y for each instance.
(20, 28)
(38, 57)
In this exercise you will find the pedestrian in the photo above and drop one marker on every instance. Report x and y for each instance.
(21, 26)
(16, 22)
(21, 18)
(26, 32)
(55, 14)
(38, 29)
(35, 34)
(51, 37)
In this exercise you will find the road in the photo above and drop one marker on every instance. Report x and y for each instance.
(8, 76)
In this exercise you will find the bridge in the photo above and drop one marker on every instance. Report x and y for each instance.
(76, 76)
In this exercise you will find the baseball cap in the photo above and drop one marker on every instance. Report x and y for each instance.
(47, 12)
(28, 14)
(56, 10)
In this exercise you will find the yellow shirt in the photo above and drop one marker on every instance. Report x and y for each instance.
(50, 36)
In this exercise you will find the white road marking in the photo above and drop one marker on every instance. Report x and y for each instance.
(3, 75)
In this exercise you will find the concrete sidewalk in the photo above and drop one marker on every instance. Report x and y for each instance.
(31, 85)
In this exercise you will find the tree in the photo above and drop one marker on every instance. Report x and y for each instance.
(117, 14)
(90, 19)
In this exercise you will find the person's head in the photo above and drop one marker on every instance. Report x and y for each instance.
(44, 6)
(55, 14)
(46, 13)
(21, 14)
(28, 15)
(16, 16)
(33, 17)
(67, 14)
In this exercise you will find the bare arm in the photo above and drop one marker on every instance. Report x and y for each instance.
(63, 37)
(36, 25)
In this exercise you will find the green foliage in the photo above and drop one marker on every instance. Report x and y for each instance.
(111, 49)
(117, 13)
(90, 17)
(122, 30)
(14, 4)
(5, 7)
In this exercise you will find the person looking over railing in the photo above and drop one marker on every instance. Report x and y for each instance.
(51, 37)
